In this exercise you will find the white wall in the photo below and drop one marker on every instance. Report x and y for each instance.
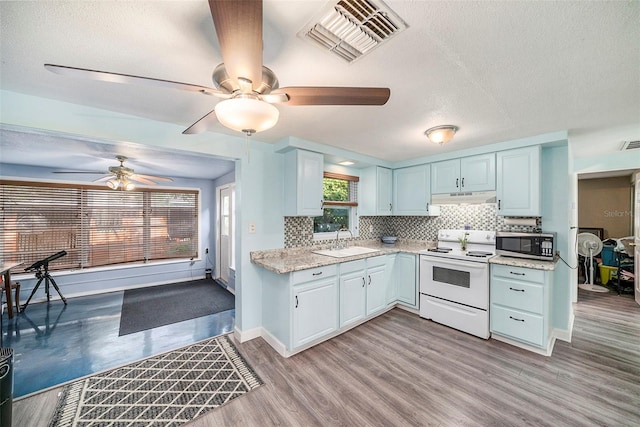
(258, 174)
(556, 217)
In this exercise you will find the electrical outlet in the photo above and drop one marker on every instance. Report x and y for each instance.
(370, 228)
(252, 227)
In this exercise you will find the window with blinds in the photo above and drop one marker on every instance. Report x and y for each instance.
(95, 226)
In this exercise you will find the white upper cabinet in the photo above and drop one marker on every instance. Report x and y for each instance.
(375, 194)
(475, 173)
(303, 178)
(412, 191)
(518, 183)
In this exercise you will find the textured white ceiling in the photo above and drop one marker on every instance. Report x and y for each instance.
(499, 70)
(64, 152)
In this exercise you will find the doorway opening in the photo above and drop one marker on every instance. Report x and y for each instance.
(607, 210)
(225, 238)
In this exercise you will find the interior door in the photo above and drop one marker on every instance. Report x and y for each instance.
(636, 234)
(226, 232)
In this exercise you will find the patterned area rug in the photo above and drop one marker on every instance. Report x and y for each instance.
(165, 390)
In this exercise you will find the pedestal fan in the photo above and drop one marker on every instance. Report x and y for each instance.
(589, 245)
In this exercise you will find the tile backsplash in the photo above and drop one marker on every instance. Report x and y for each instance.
(298, 231)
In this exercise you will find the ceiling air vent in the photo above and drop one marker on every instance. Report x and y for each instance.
(353, 28)
(630, 145)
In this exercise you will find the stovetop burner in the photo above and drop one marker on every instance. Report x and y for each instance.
(440, 250)
(479, 254)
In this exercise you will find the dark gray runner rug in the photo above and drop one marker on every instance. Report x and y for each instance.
(165, 390)
(147, 308)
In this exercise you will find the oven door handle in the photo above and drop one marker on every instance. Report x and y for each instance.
(458, 263)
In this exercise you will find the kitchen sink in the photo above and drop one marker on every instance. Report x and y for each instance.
(345, 252)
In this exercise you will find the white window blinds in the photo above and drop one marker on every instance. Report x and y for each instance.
(96, 226)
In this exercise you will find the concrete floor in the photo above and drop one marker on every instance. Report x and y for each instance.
(55, 343)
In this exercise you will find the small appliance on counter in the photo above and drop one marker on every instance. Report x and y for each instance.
(540, 246)
(389, 240)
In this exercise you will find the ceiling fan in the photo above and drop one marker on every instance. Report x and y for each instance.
(247, 87)
(122, 177)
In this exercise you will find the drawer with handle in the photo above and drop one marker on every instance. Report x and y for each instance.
(518, 273)
(516, 294)
(519, 325)
(311, 274)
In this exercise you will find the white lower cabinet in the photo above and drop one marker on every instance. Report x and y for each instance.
(363, 289)
(353, 292)
(520, 305)
(303, 308)
(405, 275)
(314, 311)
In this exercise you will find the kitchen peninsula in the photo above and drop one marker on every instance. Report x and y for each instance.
(309, 298)
(284, 261)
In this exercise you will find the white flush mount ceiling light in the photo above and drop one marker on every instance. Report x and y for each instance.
(247, 114)
(347, 163)
(441, 134)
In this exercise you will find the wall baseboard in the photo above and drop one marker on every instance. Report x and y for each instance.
(275, 343)
(543, 351)
(565, 334)
(248, 335)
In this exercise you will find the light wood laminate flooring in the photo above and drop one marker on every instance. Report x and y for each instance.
(400, 369)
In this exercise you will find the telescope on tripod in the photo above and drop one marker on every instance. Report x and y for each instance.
(42, 273)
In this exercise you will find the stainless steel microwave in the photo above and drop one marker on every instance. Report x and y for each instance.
(540, 246)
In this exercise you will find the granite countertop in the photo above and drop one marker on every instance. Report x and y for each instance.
(525, 263)
(283, 261)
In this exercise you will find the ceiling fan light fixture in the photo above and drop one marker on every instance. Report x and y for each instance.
(248, 115)
(122, 183)
(113, 183)
(441, 134)
(127, 185)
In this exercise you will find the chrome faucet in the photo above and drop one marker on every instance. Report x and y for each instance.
(336, 245)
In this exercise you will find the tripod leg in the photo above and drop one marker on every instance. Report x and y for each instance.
(32, 293)
(46, 287)
(55, 285)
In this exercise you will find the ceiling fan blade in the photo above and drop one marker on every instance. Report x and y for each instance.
(104, 178)
(106, 76)
(89, 172)
(239, 28)
(143, 180)
(153, 177)
(274, 98)
(309, 95)
(202, 124)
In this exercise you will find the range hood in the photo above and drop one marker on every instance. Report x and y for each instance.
(474, 198)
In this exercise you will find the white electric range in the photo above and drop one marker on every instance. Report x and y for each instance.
(454, 283)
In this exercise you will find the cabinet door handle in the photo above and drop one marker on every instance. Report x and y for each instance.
(427, 207)
(516, 319)
(369, 280)
(363, 281)
(317, 274)
(517, 290)
(462, 182)
(498, 204)
(321, 204)
(457, 179)
(296, 301)
(390, 207)
(517, 274)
